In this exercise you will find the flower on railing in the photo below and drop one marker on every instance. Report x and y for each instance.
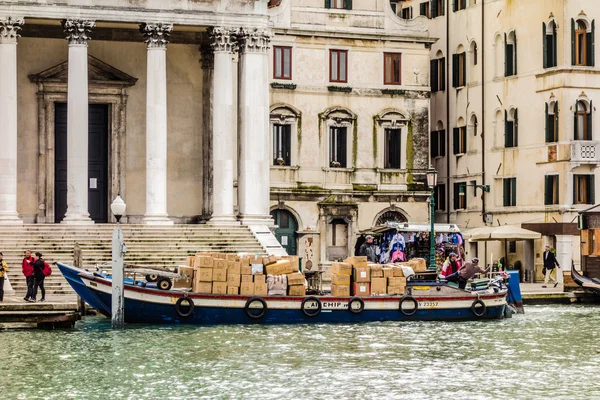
(335, 164)
(280, 161)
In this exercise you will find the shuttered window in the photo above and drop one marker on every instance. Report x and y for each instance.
(438, 143)
(511, 129)
(549, 42)
(509, 193)
(459, 70)
(510, 51)
(424, 9)
(552, 122)
(582, 43)
(551, 190)
(583, 121)
(459, 138)
(460, 195)
(437, 74)
(438, 8)
(583, 189)
(339, 4)
(439, 197)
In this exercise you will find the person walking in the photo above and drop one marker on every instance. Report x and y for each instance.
(3, 270)
(369, 249)
(38, 275)
(27, 269)
(550, 263)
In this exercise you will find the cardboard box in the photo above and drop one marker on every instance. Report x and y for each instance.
(245, 269)
(234, 280)
(295, 260)
(297, 278)
(395, 290)
(257, 269)
(397, 281)
(260, 288)
(233, 290)
(217, 263)
(187, 271)
(203, 287)
(255, 260)
(204, 274)
(361, 289)
(376, 271)
(296, 290)
(340, 290)
(362, 274)
(388, 272)
(247, 278)
(219, 288)
(247, 288)
(357, 262)
(189, 261)
(260, 278)
(398, 273)
(219, 256)
(281, 267)
(183, 283)
(219, 274)
(379, 285)
(203, 262)
(234, 267)
(418, 264)
(341, 269)
(270, 260)
(232, 257)
(340, 280)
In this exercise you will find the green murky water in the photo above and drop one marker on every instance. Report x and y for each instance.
(550, 352)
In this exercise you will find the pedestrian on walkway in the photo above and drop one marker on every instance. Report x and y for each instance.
(550, 263)
(27, 269)
(38, 275)
(3, 270)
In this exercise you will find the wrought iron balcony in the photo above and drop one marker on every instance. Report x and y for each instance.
(585, 151)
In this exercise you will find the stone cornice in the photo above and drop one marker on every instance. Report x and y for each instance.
(78, 30)
(378, 36)
(223, 39)
(254, 40)
(156, 34)
(9, 29)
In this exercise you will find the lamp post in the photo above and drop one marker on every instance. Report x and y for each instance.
(118, 251)
(431, 183)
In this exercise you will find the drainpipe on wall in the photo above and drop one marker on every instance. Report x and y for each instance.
(483, 108)
(448, 58)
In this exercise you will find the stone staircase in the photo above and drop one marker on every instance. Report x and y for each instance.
(146, 245)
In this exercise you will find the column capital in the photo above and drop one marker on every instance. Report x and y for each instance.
(156, 34)
(207, 56)
(9, 29)
(254, 40)
(78, 30)
(223, 39)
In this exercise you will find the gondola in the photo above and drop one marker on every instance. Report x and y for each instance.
(591, 284)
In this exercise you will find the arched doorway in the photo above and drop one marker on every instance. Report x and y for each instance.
(286, 230)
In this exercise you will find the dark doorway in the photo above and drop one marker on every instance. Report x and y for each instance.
(286, 230)
(97, 162)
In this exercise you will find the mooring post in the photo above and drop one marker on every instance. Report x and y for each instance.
(78, 262)
(118, 251)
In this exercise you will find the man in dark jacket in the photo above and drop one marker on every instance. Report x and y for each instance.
(369, 249)
(549, 264)
(27, 269)
(38, 275)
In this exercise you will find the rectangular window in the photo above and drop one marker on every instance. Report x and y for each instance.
(339, 4)
(552, 122)
(580, 46)
(437, 74)
(438, 143)
(459, 70)
(424, 9)
(439, 197)
(459, 5)
(406, 13)
(551, 190)
(460, 195)
(282, 135)
(510, 192)
(511, 126)
(392, 68)
(510, 54)
(437, 8)
(282, 62)
(473, 185)
(583, 189)
(392, 148)
(512, 246)
(337, 147)
(460, 140)
(338, 66)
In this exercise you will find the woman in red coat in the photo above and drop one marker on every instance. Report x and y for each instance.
(27, 269)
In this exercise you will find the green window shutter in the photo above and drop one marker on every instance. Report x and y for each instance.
(515, 54)
(455, 63)
(545, 58)
(516, 128)
(463, 133)
(557, 116)
(589, 122)
(555, 47)
(505, 56)
(455, 140)
(572, 41)
(434, 144)
(590, 45)
(574, 189)
(547, 190)
(433, 8)
(507, 136)
(575, 125)
(327, 3)
(348, 4)
(442, 141)
(454, 5)
(513, 192)
(547, 119)
(464, 71)
(443, 73)
(423, 9)
(592, 189)
(505, 192)
(434, 75)
(443, 11)
(456, 194)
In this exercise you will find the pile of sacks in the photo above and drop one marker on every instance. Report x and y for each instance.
(357, 277)
(223, 273)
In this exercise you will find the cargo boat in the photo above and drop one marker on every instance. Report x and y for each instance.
(423, 301)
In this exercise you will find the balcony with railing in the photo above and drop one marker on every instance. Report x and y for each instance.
(585, 151)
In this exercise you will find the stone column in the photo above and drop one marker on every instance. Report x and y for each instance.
(564, 255)
(78, 34)
(157, 37)
(253, 123)
(9, 32)
(223, 141)
(208, 64)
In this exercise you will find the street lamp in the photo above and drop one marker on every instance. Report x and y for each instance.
(431, 183)
(118, 251)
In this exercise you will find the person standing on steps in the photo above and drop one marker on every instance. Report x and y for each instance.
(549, 264)
(3, 270)
(27, 269)
(38, 275)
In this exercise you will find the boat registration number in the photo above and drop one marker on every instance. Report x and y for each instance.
(335, 305)
(428, 304)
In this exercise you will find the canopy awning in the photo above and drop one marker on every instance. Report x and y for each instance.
(412, 227)
(504, 232)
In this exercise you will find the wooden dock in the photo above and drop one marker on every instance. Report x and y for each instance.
(50, 315)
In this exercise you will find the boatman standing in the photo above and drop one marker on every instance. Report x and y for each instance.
(549, 264)
(466, 272)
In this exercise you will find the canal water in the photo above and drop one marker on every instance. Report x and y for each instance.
(550, 352)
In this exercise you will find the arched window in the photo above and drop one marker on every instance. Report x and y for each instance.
(583, 120)
(473, 53)
(392, 133)
(511, 128)
(459, 137)
(390, 216)
(510, 50)
(338, 123)
(473, 124)
(552, 122)
(498, 56)
(459, 68)
(438, 141)
(286, 232)
(284, 125)
(582, 42)
(438, 73)
(549, 41)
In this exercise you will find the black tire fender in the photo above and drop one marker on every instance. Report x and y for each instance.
(359, 309)
(252, 300)
(190, 304)
(409, 312)
(311, 312)
(482, 309)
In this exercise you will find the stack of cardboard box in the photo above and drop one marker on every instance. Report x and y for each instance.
(340, 279)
